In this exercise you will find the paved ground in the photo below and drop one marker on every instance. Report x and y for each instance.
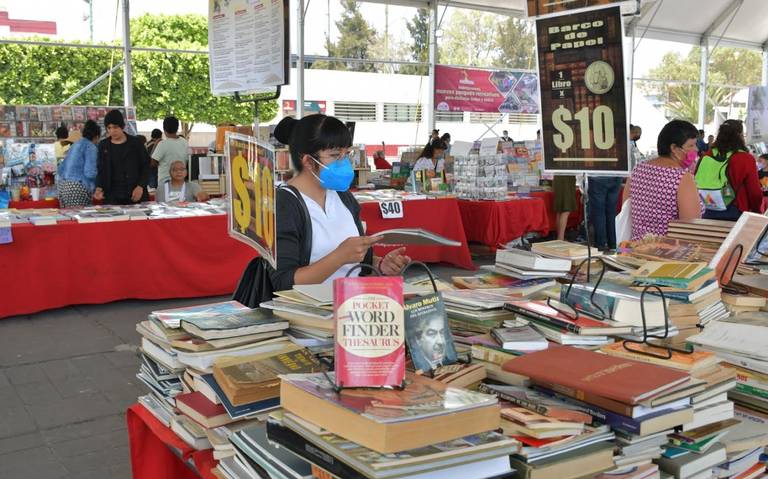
(66, 379)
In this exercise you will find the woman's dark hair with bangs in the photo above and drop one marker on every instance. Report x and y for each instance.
(310, 135)
(730, 137)
(676, 132)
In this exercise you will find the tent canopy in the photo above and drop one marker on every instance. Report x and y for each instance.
(741, 23)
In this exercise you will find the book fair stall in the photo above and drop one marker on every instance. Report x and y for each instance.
(540, 359)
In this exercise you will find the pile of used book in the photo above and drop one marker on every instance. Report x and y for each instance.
(657, 368)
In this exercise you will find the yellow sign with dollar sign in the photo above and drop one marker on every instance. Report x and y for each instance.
(251, 188)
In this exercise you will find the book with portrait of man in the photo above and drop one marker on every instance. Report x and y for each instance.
(427, 333)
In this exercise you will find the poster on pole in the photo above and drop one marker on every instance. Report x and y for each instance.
(547, 8)
(489, 91)
(248, 45)
(251, 191)
(583, 107)
(757, 115)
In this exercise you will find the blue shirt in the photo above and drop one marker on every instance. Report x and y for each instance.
(80, 164)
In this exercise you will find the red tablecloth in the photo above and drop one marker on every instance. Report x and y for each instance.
(438, 216)
(495, 223)
(574, 219)
(94, 263)
(28, 204)
(151, 453)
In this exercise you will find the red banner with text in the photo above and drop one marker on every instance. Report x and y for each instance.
(489, 91)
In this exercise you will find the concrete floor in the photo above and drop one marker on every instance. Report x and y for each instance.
(66, 378)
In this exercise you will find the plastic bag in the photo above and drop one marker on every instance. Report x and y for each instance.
(624, 223)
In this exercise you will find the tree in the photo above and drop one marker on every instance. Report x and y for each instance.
(356, 37)
(470, 39)
(418, 27)
(164, 83)
(731, 66)
(517, 44)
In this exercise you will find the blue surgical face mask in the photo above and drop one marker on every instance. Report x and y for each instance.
(336, 176)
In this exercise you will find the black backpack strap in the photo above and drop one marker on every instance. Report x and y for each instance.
(306, 249)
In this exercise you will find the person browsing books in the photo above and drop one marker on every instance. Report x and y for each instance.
(173, 148)
(123, 165)
(319, 147)
(176, 188)
(77, 173)
(663, 189)
(431, 159)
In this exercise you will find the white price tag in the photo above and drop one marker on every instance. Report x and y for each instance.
(391, 209)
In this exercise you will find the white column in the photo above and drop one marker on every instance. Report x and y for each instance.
(300, 60)
(703, 81)
(631, 76)
(128, 73)
(432, 62)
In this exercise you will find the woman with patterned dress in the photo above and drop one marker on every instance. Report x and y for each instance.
(663, 189)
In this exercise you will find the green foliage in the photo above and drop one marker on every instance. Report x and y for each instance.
(470, 39)
(517, 44)
(418, 27)
(730, 66)
(356, 38)
(163, 83)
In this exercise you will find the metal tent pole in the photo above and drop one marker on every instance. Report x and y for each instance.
(300, 60)
(432, 62)
(128, 74)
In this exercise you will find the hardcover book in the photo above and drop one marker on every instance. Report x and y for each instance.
(615, 378)
(370, 331)
(424, 412)
(427, 333)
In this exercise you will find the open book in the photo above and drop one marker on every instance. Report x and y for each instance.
(413, 236)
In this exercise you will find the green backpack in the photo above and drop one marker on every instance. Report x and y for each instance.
(712, 181)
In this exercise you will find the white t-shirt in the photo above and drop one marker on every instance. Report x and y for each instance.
(425, 163)
(166, 152)
(329, 229)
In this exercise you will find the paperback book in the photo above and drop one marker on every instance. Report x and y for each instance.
(427, 333)
(370, 331)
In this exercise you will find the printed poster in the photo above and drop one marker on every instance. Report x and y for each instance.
(251, 191)
(583, 105)
(248, 45)
(757, 115)
(501, 91)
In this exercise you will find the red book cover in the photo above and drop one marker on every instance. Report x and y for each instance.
(587, 372)
(370, 331)
(201, 404)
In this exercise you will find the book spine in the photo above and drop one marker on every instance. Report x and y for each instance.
(295, 443)
(490, 355)
(600, 401)
(567, 326)
(522, 402)
(613, 420)
(752, 390)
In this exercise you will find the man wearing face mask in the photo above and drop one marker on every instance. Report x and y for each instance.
(328, 245)
(634, 136)
(726, 176)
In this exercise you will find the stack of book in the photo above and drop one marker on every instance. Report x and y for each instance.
(562, 328)
(742, 348)
(183, 348)
(711, 232)
(426, 430)
(522, 264)
(641, 402)
(476, 312)
(746, 303)
(490, 280)
(573, 252)
(311, 321)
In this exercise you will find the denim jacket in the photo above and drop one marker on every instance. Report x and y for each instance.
(80, 164)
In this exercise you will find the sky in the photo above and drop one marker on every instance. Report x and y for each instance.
(72, 21)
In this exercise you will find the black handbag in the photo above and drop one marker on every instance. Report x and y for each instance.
(255, 285)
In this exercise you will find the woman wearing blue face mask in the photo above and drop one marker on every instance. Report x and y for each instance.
(333, 241)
